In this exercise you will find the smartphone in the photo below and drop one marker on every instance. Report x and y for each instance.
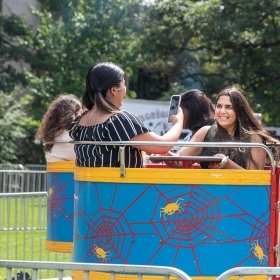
(174, 106)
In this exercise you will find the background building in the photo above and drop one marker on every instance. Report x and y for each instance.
(20, 8)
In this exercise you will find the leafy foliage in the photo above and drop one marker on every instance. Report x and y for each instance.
(13, 119)
(165, 47)
(67, 44)
(12, 29)
(219, 43)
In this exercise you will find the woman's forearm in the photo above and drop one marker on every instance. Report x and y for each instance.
(232, 165)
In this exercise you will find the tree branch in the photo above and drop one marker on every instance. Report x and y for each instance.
(264, 83)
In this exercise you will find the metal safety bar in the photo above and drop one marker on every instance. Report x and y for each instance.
(24, 194)
(138, 270)
(243, 271)
(24, 171)
(172, 144)
(186, 160)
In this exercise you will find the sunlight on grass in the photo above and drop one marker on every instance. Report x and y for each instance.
(23, 232)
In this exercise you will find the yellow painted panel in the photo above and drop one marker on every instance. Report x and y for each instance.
(61, 166)
(251, 277)
(60, 247)
(174, 176)
(79, 275)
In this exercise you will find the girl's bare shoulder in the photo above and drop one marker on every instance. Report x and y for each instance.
(200, 134)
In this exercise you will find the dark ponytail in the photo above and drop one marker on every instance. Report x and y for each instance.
(88, 98)
(100, 78)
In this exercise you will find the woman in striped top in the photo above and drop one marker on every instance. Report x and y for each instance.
(104, 121)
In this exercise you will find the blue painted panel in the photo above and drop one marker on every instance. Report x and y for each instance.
(200, 229)
(60, 214)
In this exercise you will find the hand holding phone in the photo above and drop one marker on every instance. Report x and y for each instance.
(174, 106)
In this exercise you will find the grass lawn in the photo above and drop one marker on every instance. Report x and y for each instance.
(23, 223)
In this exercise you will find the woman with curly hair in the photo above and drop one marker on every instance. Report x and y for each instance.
(54, 127)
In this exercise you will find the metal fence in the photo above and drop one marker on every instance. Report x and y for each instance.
(112, 269)
(23, 221)
(21, 179)
(11, 166)
(249, 271)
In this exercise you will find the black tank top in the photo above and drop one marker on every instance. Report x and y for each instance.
(211, 151)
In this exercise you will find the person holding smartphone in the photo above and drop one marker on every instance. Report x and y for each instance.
(198, 111)
(104, 121)
(235, 122)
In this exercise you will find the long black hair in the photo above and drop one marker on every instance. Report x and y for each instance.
(100, 78)
(247, 125)
(200, 108)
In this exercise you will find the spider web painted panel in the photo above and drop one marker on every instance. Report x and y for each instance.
(60, 214)
(190, 227)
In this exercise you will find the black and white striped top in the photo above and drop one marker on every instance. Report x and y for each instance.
(121, 126)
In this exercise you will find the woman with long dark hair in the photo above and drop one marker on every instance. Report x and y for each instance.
(198, 111)
(104, 121)
(235, 122)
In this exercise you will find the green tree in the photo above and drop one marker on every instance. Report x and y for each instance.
(13, 120)
(66, 44)
(167, 34)
(12, 30)
(14, 102)
(241, 45)
(218, 43)
(70, 37)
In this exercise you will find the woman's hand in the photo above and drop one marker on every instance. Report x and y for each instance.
(156, 155)
(219, 165)
(178, 118)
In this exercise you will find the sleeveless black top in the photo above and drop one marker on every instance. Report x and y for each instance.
(211, 151)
